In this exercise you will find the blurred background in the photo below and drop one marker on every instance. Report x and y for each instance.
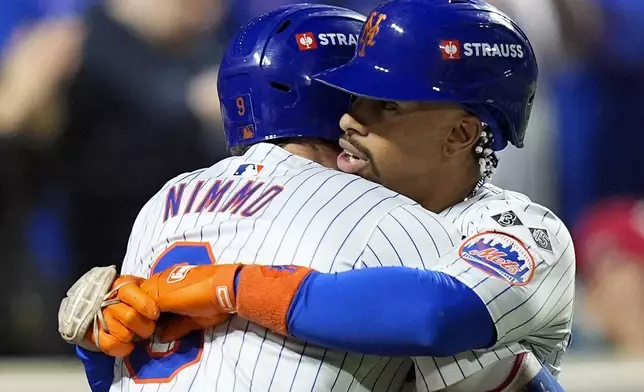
(102, 101)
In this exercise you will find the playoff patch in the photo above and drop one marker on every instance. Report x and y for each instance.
(501, 256)
(507, 219)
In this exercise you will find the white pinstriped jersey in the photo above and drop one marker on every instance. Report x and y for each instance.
(271, 207)
(532, 314)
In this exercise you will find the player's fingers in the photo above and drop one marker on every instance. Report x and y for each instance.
(110, 345)
(117, 329)
(150, 287)
(132, 295)
(209, 322)
(127, 278)
(123, 279)
(177, 328)
(131, 319)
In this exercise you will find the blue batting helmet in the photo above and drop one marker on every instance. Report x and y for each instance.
(265, 79)
(462, 51)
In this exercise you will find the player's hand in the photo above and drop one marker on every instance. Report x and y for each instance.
(104, 313)
(134, 316)
(179, 326)
(203, 292)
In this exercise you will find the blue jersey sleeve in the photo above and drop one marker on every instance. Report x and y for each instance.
(391, 311)
(99, 369)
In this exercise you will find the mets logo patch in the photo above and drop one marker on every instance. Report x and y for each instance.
(499, 255)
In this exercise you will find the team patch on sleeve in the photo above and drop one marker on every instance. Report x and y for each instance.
(499, 255)
(542, 238)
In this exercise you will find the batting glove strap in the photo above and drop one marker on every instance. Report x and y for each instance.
(265, 294)
(223, 287)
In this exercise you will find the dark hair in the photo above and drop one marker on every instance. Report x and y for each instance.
(241, 150)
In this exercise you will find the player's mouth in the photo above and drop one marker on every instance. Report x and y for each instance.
(351, 160)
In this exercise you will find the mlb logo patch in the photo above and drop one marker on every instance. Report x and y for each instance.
(306, 41)
(501, 256)
(248, 170)
(451, 50)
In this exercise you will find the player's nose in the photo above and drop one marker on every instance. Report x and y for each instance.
(350, 125)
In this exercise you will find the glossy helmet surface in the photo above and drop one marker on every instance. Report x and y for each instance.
(265, 81)
(462, 51)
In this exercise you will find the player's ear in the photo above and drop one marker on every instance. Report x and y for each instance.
(463, 136)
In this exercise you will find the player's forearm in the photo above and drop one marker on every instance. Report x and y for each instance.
(389, 311)
(99, 369)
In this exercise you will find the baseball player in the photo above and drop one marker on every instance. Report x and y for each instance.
(439, 85)
(278, 199)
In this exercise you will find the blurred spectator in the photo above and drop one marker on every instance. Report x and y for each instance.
(39, 40)
(114, 104)
(531, 169)
(141, 109)
(610, 254)
(27, 89)
(599, 90)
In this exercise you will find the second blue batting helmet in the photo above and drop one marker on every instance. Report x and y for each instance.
(265, 81)
(462, 51)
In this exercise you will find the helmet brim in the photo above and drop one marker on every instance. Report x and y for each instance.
(382, 85)
(397, 86)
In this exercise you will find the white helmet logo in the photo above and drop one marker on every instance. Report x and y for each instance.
(450, 49)
(305, 40)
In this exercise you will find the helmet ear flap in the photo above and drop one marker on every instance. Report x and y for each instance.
(526, 118)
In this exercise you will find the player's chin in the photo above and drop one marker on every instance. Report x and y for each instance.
(368, 174)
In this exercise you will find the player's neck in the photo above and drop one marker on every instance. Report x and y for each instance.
(455, 186)
(321, 153)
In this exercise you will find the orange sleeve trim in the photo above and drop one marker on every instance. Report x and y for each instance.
(265, 293)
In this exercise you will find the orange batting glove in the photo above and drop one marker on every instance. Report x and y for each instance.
(206, 294)
(196, 291)
(203, 296)
(133, 314)
(179, 326)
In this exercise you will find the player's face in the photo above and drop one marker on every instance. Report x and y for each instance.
(398, 144)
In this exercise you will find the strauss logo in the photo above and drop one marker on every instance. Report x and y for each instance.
(451, 50)
(306, 40)
(370, 32)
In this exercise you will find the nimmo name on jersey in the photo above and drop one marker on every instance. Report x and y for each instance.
(204, 198)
